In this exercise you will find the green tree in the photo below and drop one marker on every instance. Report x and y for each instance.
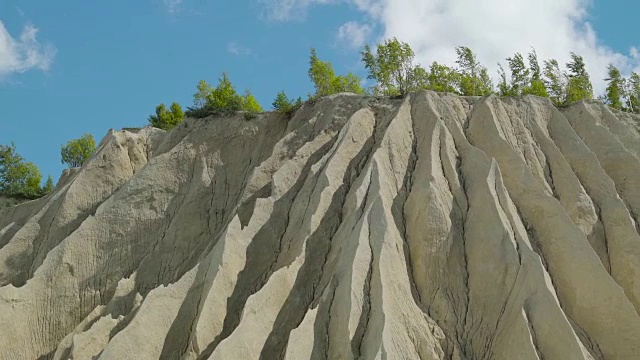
(555, 81)
(77, 151)
(348, 83)
(519, 75)
(48, 186)
(167, 119)
(201, 97)
(250, 103)
(536, 85)
(536, 88)
(18, 178)
(473, 78)
(393, 69)
(222, 99)
(325, 80)
(322, 75)
(283, 104)
(442, 78)
(615, 87)
(503, 86)
(633, 93)
(579, 85)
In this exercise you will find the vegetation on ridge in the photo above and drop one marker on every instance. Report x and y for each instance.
(167, 119)
(391, 66)
(77, 151)
(21, 179)
(18, 177)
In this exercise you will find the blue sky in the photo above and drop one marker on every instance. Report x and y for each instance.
(72, 67)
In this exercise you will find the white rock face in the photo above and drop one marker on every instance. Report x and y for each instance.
(430, 227)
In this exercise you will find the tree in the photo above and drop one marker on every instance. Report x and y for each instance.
(536, 85)
(201, 97)
(555, 81)
(579, 85)
(325, 80)
(519, 75)
(347, 83)
(18, 178)
(283, 104)
(76, 152)
(223, 99)
(615, 87)
(393, 69)
(48, 186)
(442, 78)
(536, 88)
(321, 74)
(534, 65)
(250, 103)
(167, 119)
(633, 93)
(473, 78)
(503, 85)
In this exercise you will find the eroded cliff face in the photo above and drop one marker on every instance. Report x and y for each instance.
(430, 227)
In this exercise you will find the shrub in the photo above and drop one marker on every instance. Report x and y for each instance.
(167, 119)
(283, 104)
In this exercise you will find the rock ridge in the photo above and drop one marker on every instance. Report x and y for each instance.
(426, 227)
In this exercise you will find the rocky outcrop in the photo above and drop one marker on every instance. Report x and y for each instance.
(429, 227)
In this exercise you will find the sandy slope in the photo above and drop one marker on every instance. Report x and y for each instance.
(430, 227)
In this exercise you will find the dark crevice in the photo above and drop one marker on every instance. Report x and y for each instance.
(262, 252)
(534, 337)
(319, 275)
(365, 315)
(317, 249)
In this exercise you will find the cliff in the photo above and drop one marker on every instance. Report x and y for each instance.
(429, 227)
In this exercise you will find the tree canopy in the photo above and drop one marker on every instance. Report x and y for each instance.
(75, 152)
(519, 75)
(473, 78)
(223, 99)
(579, 84)
(632, 93)
(48, 186)
(555, 81)
(524, 80)
(282, 103)
(167, 119)
(393, 68)
(615, 87)
(442, 78)
(18, 178)
(536, 84)
(325, 80)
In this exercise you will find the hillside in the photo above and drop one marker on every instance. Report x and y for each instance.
(429, 227)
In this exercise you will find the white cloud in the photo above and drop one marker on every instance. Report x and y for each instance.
(494, 29)
(238, 50)
(287, 10)
(172, 6)
(354, 34)
(25, 52)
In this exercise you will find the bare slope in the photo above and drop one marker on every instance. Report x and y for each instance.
(431, 227)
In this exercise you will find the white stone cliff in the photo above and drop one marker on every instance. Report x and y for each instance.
(429, 227)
